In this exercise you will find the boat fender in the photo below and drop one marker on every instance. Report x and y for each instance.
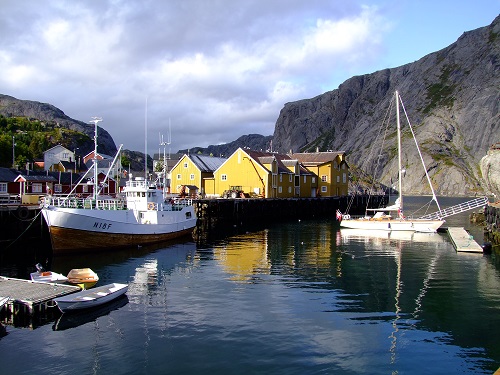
(151, 206)
(22, 212)
(487, 247)
(346, 217)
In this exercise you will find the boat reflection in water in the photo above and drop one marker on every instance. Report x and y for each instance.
(79, 318)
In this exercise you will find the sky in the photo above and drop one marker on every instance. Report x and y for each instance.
(205, 72)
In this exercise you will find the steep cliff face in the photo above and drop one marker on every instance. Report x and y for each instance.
(452, 100)
(490, 169)
(12, 107)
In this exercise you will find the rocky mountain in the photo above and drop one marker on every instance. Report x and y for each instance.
(451, 97)
(253, 141)
(12, 107)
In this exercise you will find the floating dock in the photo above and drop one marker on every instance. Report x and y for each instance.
(29, 301)
(463, 241)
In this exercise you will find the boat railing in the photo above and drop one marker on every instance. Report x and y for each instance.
(86, 203)
(180, 203)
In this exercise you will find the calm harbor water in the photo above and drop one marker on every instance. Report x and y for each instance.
(304, 297)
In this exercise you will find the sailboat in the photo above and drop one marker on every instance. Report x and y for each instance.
(144, 216)
(391, 218)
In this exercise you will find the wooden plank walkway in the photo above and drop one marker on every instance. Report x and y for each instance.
(28, 298)
(463, 241)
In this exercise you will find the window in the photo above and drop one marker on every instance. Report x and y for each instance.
(344, 178)
(85, 188)
(36, 188)
(179, 176)
(324, 178)
(223, 177)
(58, 188)
(313, 180)
(323, 189)
(185, 165)
(305, 179)
(338, 179)
(65, 155)
(290, 178)
(281, 177)
(289, 189)
(191, 176)
(3, 187)
(280, 190)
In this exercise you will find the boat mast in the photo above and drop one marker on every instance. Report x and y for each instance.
(400, 185)
(95, 120)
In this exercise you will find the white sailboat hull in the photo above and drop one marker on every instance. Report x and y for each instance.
(416, 225)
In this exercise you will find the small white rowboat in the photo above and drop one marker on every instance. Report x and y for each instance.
(90, 297)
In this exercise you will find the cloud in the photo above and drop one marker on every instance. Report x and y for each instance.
(216, 70)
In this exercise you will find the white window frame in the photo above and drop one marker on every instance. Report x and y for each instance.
(3, 187)
(36, 188)
(191, 176)
(223, 177)
(323, 189)
(58, 188)
(324, 178)
(179, 176)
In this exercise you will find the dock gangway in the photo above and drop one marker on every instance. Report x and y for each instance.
(457, 209)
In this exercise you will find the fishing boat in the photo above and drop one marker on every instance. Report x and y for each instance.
(391, 218)
(85, 278)
(91, 297)
(43, 276)
(144, 214)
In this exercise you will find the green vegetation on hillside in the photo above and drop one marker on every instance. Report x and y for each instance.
(26, 140)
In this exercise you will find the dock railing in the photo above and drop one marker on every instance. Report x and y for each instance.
(457, 209)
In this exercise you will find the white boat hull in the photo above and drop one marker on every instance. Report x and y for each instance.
(48, 277)
(416, 225)
(73, 229)
(91, 297)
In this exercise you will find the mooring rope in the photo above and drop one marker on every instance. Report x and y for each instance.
(28, 227)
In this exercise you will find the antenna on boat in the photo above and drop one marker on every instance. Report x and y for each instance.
(146, 141)
(164, 169)
(95, 120)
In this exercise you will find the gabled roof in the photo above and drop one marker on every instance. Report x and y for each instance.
(57, 146)
(35, 176)
(316, 158)
(8, 175)
(206, 163)
(268, 157)
(67, 164)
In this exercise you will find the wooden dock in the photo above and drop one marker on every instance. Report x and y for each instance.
(463, 241)
(29, 301)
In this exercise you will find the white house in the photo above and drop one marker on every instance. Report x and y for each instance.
(56, 154)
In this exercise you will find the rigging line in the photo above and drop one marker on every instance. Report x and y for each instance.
(370, 154)
(420, 154)
(378, 161)
(28, 227)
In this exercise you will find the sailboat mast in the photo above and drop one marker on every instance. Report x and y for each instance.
(400, 185)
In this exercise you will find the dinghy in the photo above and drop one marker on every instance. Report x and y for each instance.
(83, 277)
(90, 298)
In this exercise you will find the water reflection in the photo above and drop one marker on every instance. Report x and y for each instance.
(302, 297)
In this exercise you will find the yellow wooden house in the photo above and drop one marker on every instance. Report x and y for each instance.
(330, 168)
(263, 174)
(196, 172)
